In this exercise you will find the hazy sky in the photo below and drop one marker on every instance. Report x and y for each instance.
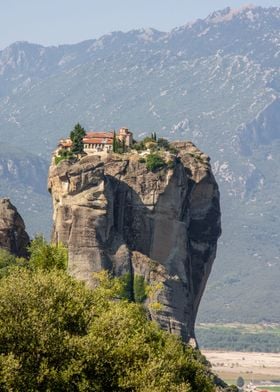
(52, 22)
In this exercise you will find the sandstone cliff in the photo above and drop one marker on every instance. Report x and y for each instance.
(13, 236)
(164, 226)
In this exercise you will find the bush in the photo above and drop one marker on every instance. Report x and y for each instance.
(62, 155)
(163, 143)
(139, 289)
(173, 150)
(9, 261)
(47, 256)
(58, 335)
(154, 161)
(139, 146)
(148, 139)
(42, 315)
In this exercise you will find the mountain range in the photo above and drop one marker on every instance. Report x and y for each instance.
(215, 82)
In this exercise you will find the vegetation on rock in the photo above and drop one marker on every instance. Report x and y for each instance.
(62, 155)
(139, 289)
(154, 161)
(154, 144)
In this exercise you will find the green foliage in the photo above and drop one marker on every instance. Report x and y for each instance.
(231, 388)
(42, 316)
(163, 143)
(148, 139)
(77, 135)
(119, 147)
(115, 142)
(47, 256)
(127, 287)
(154, 161)
(63, 154)
(238, 338)
(58, 335)
(139, 289)
(140, 146)
(8, 261)
(142, 160)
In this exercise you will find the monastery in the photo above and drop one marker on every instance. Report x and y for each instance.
(100, 141)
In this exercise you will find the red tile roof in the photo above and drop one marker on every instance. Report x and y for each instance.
(100, 135)
(91, 138)
(98, 141)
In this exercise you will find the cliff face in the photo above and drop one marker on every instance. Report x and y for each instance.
(13, 236)
(163, 226)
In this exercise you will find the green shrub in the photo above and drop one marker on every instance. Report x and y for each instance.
(154, 161)
(9, 261)
(163, 143)
(58, 335)
(173, 149)
(139, 146)
(139, 289)
(148, 139)
(47, 256)
(62, 155)
(127, 289)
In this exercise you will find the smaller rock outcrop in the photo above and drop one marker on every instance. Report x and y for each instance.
(13, 236)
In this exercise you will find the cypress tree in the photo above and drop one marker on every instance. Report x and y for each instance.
(76, 136)
(114, 142)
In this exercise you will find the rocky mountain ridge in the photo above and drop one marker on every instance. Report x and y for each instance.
(162, 225)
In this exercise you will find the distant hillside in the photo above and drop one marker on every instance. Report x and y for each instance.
(23, 179)
(214, 81)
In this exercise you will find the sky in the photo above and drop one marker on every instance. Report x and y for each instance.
(55, 22)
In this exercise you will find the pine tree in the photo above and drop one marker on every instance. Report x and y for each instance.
(77, 136)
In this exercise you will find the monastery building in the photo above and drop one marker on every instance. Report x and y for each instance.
(100, 141)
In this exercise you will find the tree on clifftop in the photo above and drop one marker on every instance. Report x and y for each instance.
(77, 136)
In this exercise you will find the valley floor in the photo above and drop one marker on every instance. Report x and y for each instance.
(255, 367)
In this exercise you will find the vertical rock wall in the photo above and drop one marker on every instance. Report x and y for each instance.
(163, 226)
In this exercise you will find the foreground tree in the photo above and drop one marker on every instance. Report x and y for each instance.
(9, 261)
(76, 137)
(58, 335)
(47, 256)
